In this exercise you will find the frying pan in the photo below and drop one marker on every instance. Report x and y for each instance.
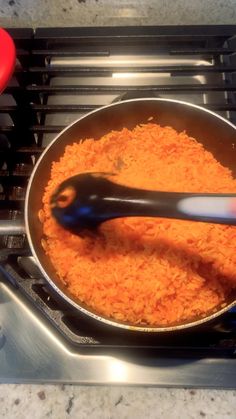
(214, 132)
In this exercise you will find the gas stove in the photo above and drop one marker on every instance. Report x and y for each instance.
(61, 74)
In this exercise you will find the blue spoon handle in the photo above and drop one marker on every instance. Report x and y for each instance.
(86, 200)
(199, 207)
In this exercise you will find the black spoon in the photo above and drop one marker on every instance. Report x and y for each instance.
(86, 200)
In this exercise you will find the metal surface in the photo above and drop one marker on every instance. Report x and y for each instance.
(31, 351)
(12, 227)
(41, 340)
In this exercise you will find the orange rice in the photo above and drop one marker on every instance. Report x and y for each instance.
(146, 270)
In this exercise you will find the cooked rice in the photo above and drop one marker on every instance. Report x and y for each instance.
(146, 270)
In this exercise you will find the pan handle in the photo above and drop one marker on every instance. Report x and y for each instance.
(12, 227)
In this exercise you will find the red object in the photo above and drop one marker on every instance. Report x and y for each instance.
(7, 58)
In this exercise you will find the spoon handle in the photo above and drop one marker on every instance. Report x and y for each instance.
(85, 201)
(215, 208)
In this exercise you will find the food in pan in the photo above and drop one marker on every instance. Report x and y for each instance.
(145, 271)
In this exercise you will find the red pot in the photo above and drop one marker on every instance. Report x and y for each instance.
(7, 58)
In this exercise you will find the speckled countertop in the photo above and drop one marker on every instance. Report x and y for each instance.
(60, 401)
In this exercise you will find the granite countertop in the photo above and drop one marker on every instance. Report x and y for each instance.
(65, 401)
(62, 401)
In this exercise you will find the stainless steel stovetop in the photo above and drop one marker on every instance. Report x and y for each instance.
(32, 351)
(60, 75)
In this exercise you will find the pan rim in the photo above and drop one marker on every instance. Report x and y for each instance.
(73, 303)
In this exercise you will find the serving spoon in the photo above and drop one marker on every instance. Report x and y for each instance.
(86, 200)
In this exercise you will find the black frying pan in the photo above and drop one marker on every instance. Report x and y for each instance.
(216, 133)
